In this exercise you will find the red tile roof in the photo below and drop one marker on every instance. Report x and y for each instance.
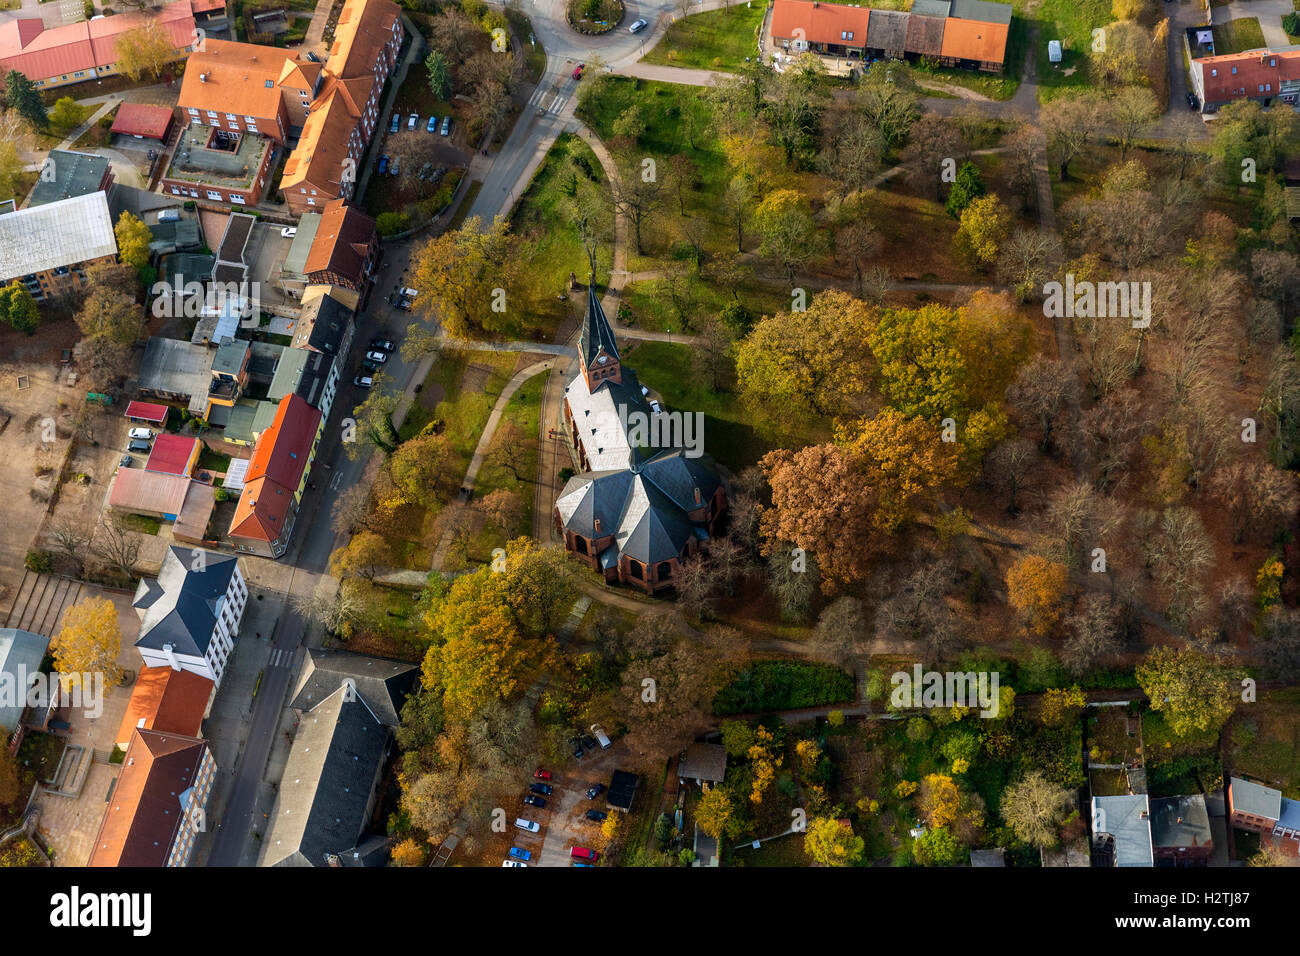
(144, 811)
(820, 22)
(138, 491)
(168, 701)
(974, 40)
(1253, 69)
(172, 454)
(276, 471)
(147, 411)
(142, 119)
(342, 241)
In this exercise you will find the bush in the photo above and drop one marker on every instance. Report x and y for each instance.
(39, 561)
(783, 685)
(1291, 24)
(191, 204)
(391, 223)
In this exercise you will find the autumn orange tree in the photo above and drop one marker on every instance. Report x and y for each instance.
(713, 813)
(1036, 588)
(457, 275)
(362, 556)
(902, 458)
(820, 504)
(939, 801)
(89, 641)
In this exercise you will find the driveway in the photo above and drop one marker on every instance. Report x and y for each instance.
(566, 825)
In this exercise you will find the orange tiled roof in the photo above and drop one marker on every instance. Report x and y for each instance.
(168, 701)
(237, 78)
(974, 40)
(1253, 69)
(322, 148)
(342, 241)
(364, 27)
(820, 22)
(276, 471)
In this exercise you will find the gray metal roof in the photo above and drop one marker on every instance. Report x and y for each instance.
(62, 233)
(928, 8)
(987, 858)
(176, 368)
(322, 324)
(288, 372)
(596, 336)
(651, 527)
(74, 174)
(327, 783)
(295, 262)
(678, 477)
(181, 606)
(21, 654)
(703, 762)
(981, 10)
(886, 30)
(383, 683)
(1256, 799)
(229, 359)
(1126, 818)
(1180, 821)
(592, 496)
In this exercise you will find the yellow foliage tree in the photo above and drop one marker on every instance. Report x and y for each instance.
(984, 225)
(940, 800)
(145, 49)
(133, 238)
(764, 761)
(1036, 588)
(1060, 705)
(89, 642)
(903, 459)
(713, 812)
(408, 853)
(832, 843)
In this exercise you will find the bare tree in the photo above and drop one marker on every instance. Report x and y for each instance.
(841, 629)
(1094, 634)
(116, 545)
(1259, 498)
(1110, 432)
(1042, 390)
(1011, 467)
(1184, 553)
(69, 538)
(351, 508)
(1082, 519)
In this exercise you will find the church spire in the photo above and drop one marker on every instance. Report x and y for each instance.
(597, 347)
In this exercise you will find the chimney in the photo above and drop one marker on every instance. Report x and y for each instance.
(698, 500)
(596, 525)
(170, 651)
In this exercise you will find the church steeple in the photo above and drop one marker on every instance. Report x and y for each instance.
(597, 347)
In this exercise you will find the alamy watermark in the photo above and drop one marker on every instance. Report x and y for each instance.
(660, 429)
(922, 688)
(192, 299)
(38, 690)
(1099, 300)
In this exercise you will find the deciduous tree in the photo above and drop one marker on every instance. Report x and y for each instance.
(89, 642)
(832, 842)
(1034, 808)
(1194, 691)
(1036, 588)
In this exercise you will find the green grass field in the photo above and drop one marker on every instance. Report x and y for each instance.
(1071, 22)
(714, 40)
(1237, 36)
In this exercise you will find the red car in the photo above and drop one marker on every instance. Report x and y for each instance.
(577, 72)
(582, 853)
(541, 774)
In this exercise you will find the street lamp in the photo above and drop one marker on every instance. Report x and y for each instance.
(670, 335)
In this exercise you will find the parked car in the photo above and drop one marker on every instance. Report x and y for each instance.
(595, 790)
(534, 801)
(383, 164)
(396, 124)
(543, 788)
(378, 357)
(126, 461)
(541, 774)
(289, 232)
(576, 863)
(446, 126)
(577, 71)
(532, 826)
(601, 737)
(142, 433)
(588, 742)
(596, 816)
(138, 445)
(576, 746)
(432, 125)
(519, 853)
(169, 215)
(382, 344)
(637, 27)
(363, 381)
(656, 407)
(584, 853)
(413, 121)
(410, 293)
(512, 863)
(393, 167)
(369, 368)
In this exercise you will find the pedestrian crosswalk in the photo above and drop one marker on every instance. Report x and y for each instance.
(281, 658)
(549, 99)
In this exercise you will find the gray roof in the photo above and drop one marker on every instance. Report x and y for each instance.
(993, 857)
(596, 414)
(322, 325)
(295, 262)
(62, 233)
(977, 10)
(265, 358)
(288, 371)
(1256, 799)
(383, 683)
(929, 8)
(651, 528)
(328, 779)
(21, 654)
(1126, 818)
(315, 376)
(246, 419)
(181, 606)
(706, 762)
(177, 368)
(1180, 821)
(75, 174)
(229, 359)
(886, 30)
(596, 336)
(185, 267)
(235, 237)
(182, 234)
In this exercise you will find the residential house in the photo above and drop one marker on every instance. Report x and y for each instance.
(157, 806)
(276, 478)
(975, 35)
(633, 514)
(173, 455)
(349, 706)
(1180, 831)
(175, 371)
(1121, 831)
(702, 764)
(49, 247)
(344, 250)
(1260, 75)
(1253, 806)
(828, 29)
(144, 121)
(77, 52)
(190, 613)
(67, 174)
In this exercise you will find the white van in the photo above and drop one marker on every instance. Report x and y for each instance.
(169, 215)
(601, 738)
(529, 825)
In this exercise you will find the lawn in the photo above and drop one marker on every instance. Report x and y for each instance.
(650, 307)
(1071, 22)
(716, 39)
(784, 852)
(142, 523)
(524, 410)
(210, 460)
(534, 55)
(1177, 765)
(1237, 36)
(551, 248)
(996, 86)
(1263, 741)
(729, 428)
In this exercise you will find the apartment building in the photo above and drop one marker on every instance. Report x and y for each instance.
(49, 247)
